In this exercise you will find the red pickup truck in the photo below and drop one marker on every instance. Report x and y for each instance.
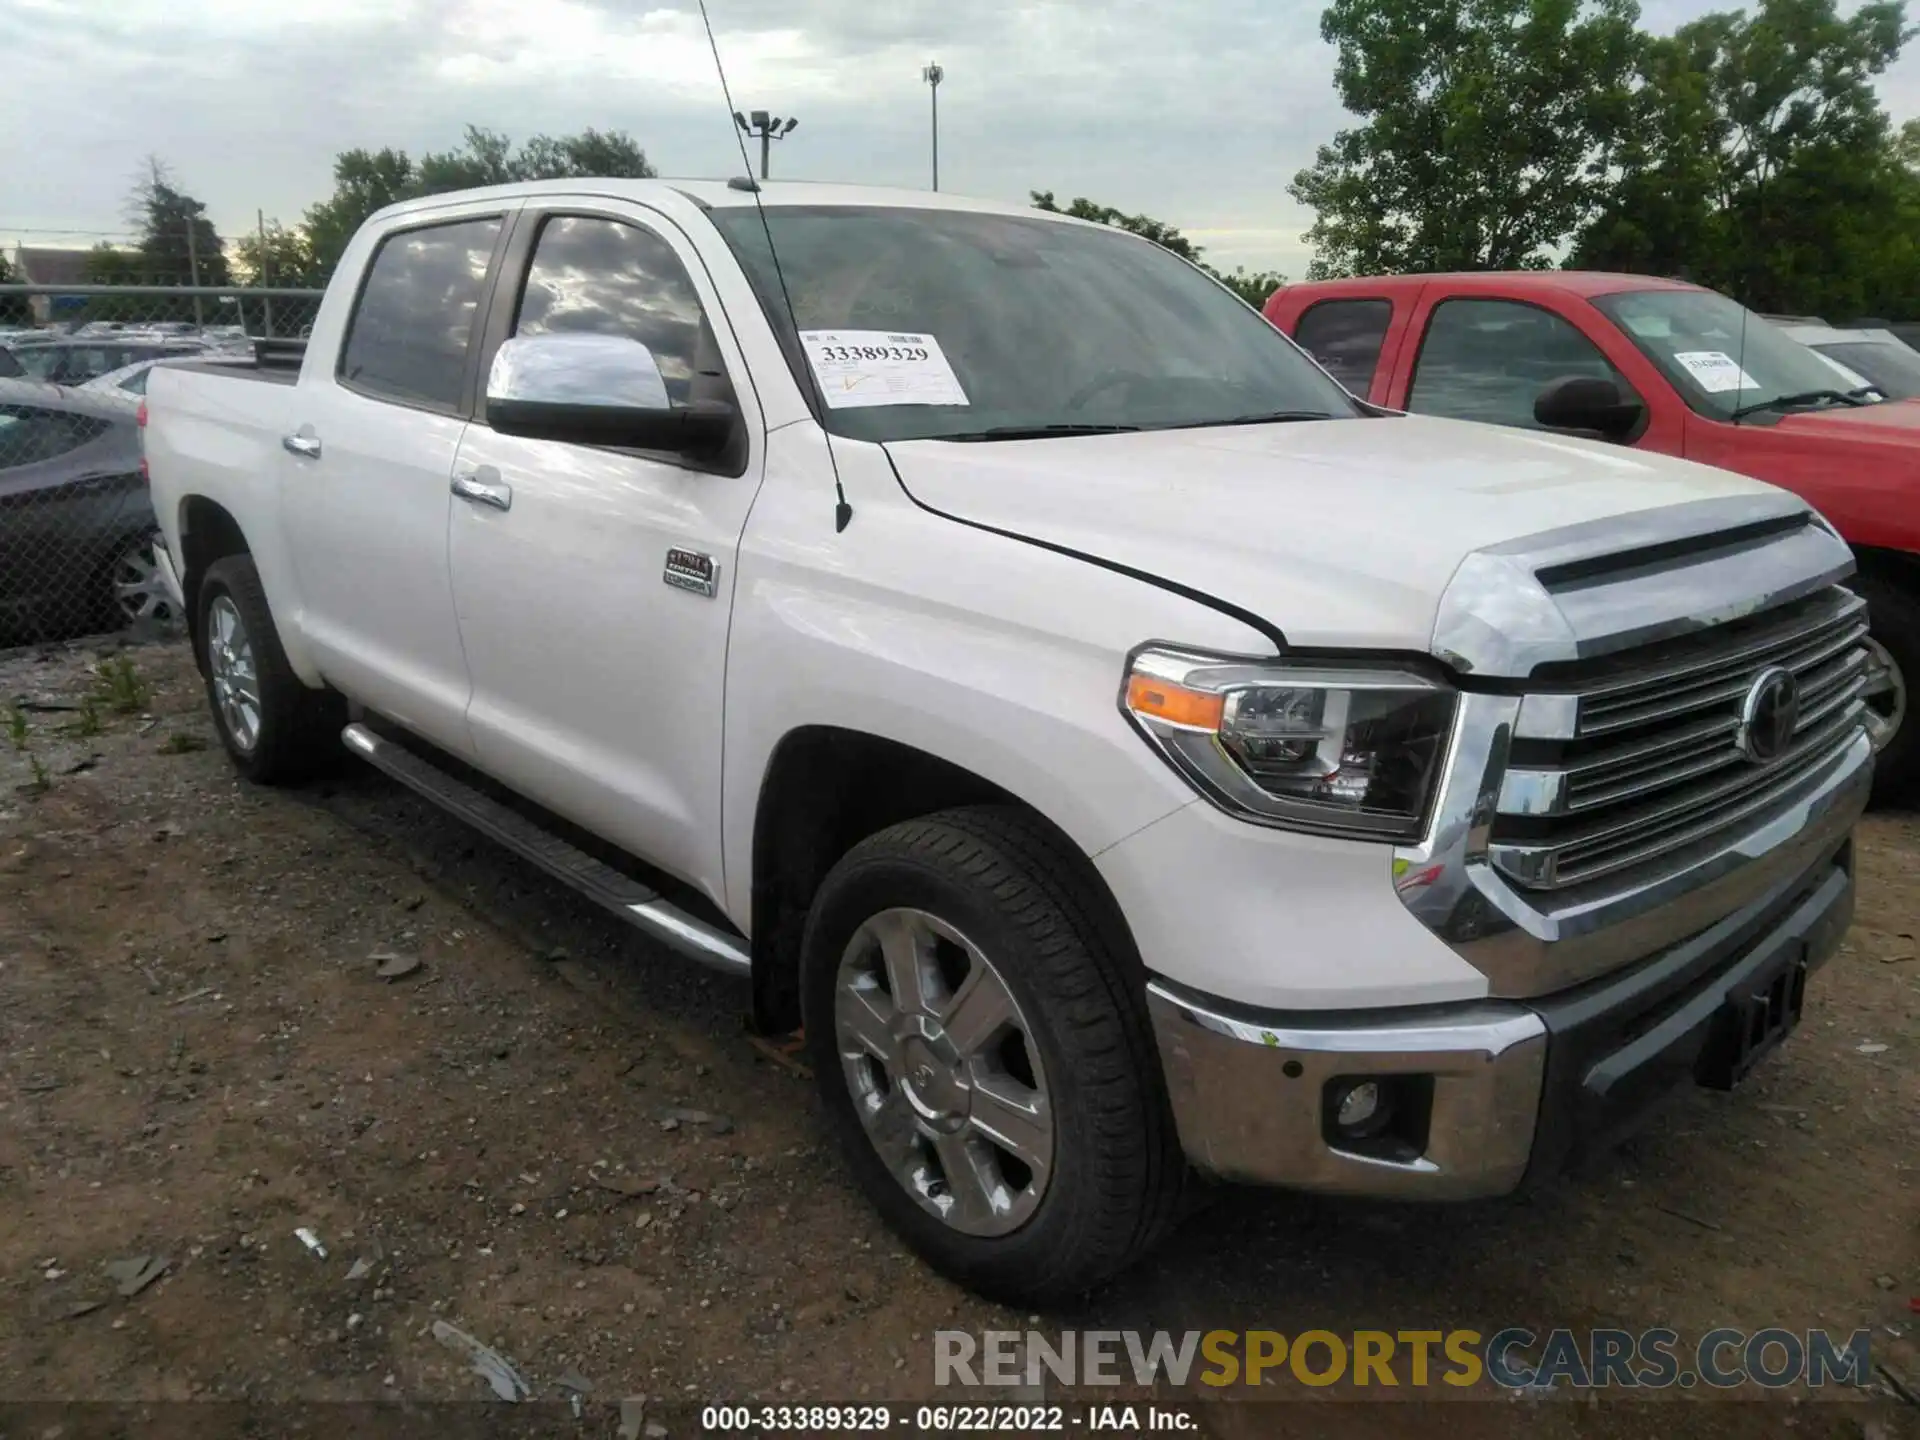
(1663, 366)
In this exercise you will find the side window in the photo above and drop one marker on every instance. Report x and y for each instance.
(1490, 359)
(29, 434)
(1345, 337)
(609, 277)
(408, 335)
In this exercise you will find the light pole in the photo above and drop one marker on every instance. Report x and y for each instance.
(933, 75)
(766, 128)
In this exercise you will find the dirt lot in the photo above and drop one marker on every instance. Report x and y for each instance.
(197, 1058)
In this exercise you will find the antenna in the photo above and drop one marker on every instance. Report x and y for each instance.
(842, 511)
(1740, 361)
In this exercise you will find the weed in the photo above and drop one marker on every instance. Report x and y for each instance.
(17, 727)
(120, 686)
(42, 781)
(181, 743)
(89, 721)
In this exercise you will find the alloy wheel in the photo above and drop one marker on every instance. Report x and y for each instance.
(236, 680)
(139, 594)
(1885, 693)
(944, 1072)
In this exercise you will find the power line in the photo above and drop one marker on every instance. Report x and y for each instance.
(63, 230)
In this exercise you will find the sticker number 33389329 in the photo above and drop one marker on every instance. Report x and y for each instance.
(880, 367)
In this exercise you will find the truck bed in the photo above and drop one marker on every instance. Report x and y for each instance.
(242, 367)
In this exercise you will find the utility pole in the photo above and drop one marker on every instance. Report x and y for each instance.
(266, 276)
(193, 269)
(766, 129)
(933, 75)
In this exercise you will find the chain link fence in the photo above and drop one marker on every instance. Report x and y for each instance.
(76, 525)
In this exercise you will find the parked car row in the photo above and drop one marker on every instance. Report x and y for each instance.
(1877, 358)
(76, 550)
(76, 527)
(1665, 368)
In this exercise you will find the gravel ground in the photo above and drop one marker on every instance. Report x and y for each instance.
(563, 1142)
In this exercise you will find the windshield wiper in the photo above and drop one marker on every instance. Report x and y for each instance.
(1037, 432)
(1270, 417)
(1805, 397)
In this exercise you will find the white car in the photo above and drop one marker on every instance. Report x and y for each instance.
(1876, 358)
(1119, 747)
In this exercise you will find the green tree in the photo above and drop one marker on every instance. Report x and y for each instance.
(1487, 130)
(177, 241)
(277, 257)
(1159, 232)
(488, 158)
(368, 180)
(363, 181)
(1761, 162)
(591, 152)
(1254, 287)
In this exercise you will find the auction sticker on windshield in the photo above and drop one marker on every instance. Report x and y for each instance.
(1715, 370)
(880, 367)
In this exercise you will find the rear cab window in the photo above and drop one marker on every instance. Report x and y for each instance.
(1345, 336)
(412, 324)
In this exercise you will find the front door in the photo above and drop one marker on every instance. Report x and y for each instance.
(597, 677)
(364, 476)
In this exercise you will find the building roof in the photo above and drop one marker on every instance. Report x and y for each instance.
(42, 265)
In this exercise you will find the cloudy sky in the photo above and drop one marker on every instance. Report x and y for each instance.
(1198, 113)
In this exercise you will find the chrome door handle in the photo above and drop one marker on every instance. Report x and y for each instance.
(496, 493)
(305, 445)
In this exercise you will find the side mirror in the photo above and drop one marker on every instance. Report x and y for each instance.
(1591, 403)
(597, 390)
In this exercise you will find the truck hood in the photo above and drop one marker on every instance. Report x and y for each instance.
(1336, 533)
(1895, 421)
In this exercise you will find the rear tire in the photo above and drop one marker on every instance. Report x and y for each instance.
(1018, 1138)
(275, 729)
(1894, 612)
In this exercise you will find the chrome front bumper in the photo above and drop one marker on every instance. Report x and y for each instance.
(1510, 1088)
(1250, 1093)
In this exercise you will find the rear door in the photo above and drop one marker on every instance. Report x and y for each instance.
(1352, 335)
(597, 679)
(366, 467)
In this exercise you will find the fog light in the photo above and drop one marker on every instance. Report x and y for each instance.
(1359, 1104)
(1361, 1108)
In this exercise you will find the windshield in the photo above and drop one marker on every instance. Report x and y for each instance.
(1719, 355)
(924, 324)
(1892, 368)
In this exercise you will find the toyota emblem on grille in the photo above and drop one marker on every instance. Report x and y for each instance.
(1768, 716)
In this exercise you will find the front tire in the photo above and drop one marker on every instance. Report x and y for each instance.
(983, 1052)
(1894, 663)
(275, 729)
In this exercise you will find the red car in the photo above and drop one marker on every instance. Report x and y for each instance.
(1668, 367)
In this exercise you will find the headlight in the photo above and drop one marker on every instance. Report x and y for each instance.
(1330, 747)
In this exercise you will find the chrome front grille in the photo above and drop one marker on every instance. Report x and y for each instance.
(1618, 763)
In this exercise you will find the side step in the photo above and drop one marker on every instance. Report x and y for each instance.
(626, 897)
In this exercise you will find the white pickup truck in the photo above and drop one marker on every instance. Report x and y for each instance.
(1123, 751)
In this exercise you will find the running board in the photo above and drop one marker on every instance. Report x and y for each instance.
(626, 897)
